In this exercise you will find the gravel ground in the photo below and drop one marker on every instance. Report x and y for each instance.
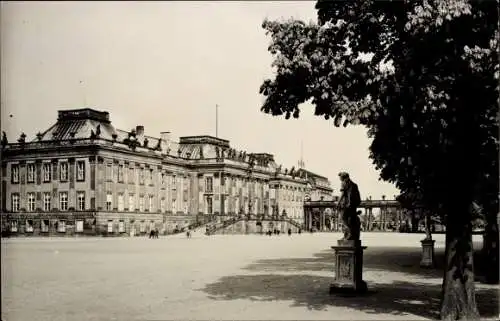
(217, 277)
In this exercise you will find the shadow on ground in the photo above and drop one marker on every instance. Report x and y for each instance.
(402, 260)
(312, 292)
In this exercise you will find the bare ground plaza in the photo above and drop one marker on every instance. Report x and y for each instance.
(230, 277)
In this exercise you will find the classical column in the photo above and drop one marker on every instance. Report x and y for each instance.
(323, 219)
(383, 213)
(368, 227)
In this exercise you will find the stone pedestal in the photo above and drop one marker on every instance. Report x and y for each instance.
(348, 268)
(427, 253)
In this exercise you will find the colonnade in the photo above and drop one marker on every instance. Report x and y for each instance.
(324, 216)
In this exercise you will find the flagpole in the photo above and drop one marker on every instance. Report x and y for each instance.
(84, 95)
(216, 120)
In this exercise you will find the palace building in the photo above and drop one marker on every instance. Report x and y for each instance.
(83, 176)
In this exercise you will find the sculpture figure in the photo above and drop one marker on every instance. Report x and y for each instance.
(348, 204)
(4, 139)
(22, 138)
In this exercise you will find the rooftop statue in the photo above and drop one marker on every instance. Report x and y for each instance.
(4, 139)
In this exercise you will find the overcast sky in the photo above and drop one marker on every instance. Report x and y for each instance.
(165, 65)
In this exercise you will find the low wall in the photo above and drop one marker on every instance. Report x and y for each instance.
(256, 227)
(101, 223)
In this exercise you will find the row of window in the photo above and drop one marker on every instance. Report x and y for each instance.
(48, 172)
(143, 175)
(132, 203)
(63, 202)
(235, 206)
(290, 196)
(237, 183)
(47, 201)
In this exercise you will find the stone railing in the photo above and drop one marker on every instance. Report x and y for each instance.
(56, 143)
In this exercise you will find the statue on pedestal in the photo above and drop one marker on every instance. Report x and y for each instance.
(349, 252)
(348, 204)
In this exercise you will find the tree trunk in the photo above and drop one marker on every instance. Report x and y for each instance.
(458, 294)
(414, 222)
(490, 251)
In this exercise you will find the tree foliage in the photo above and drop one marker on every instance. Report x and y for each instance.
(423, 77)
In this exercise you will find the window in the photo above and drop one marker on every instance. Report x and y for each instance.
(151, 176)
(15, 173)
(110, 226)
(109, 172)
(209, 205)
(29, 226)
(163, 179)
(121, 226)
(31, 173)
(174, 206)
(15, 202)
(131, 175)
(61, 226)
(151, 203)
(46, 172)
(209, 184)
(63, 201)
(63, 171)
(131, 203)
(31, 202)
(141, 176)
(13, 226)
(79, 226)
(81, 201)
(142, 227)
(80, 171)
(46, 202)
(120, 173)
(45, 226)
(174, 182)
(109, 201)
(141, 204)
(121, 204)
(162, 205)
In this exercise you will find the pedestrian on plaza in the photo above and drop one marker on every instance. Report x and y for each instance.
(289, 231)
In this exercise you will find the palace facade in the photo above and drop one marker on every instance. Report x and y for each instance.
(83, 176)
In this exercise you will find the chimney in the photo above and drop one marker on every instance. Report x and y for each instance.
(139, 132)
(165, 140)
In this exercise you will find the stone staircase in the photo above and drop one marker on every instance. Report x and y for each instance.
(252, 225)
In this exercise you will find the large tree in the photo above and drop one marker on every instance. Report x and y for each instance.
(422, 76)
